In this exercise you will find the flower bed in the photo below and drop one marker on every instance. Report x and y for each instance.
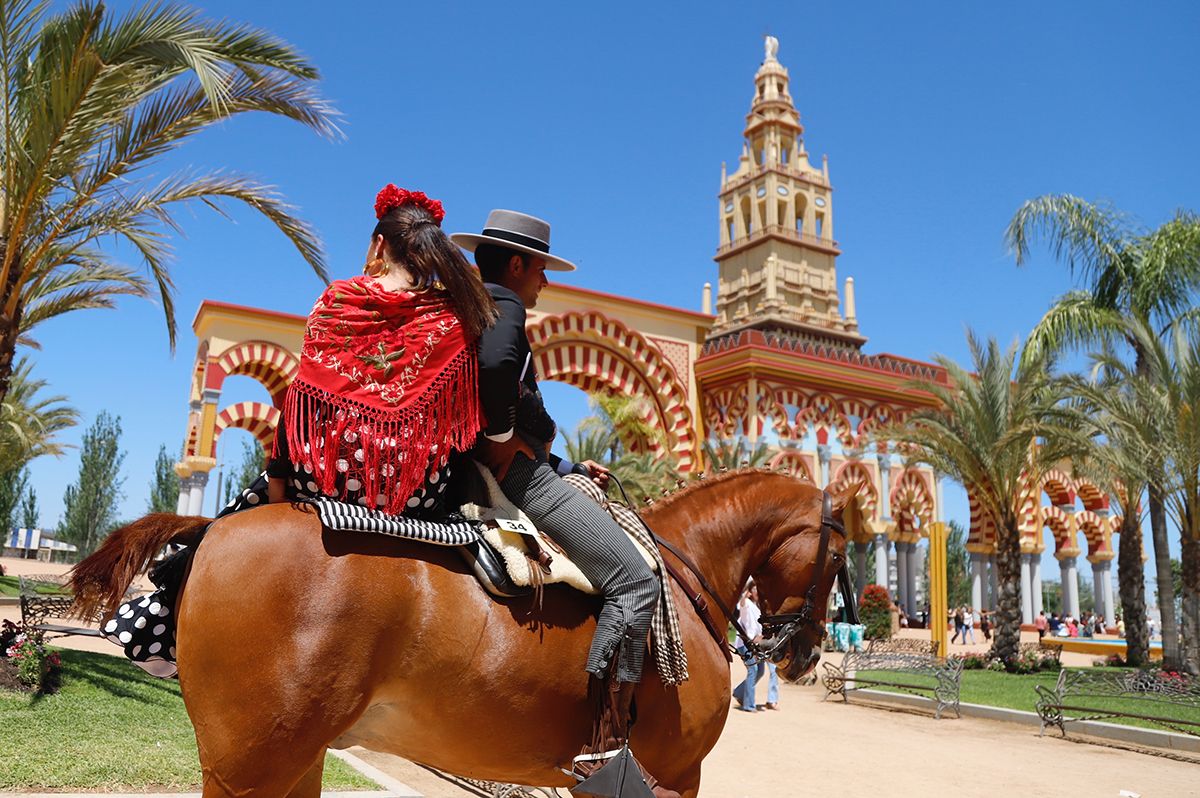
(26, 665)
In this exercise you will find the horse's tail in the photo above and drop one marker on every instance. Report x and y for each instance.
(100, 581)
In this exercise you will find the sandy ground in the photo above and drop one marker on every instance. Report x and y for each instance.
(810, 747)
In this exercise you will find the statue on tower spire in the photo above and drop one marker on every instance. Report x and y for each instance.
(772, 47)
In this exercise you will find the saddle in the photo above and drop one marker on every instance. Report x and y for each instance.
(530, 558)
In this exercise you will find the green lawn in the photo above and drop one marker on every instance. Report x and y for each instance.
(111, 727)
(10, 586)
(1015, 691)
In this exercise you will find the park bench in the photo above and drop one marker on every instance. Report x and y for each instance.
(904, 664)
(45, 597)
(1168, 701)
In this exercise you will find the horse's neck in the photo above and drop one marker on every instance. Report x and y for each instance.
(723, 528)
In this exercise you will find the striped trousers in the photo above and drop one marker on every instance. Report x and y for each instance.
(605, 555)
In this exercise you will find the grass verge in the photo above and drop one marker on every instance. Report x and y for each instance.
(1015, 691)
(111, 727)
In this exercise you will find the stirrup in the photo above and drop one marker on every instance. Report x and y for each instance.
(619, 778)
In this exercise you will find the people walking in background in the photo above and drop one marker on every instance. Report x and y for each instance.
(1042, 624)
(985, 625)
(958, 625)
(772, 686)
(1055, 624)
(748, 615)
(968, 625)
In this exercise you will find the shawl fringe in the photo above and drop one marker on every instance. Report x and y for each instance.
(389, 452)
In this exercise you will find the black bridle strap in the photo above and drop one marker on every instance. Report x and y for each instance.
(788, 621)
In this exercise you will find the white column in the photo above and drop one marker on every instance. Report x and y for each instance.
(196, 496)
(824, 456)
(1110, 611)
(1070, 582)
(1098, 588)
(1026, 596)
(1035, 582)
(977, 582)
(915, 566)
(885, 480)
(902, 583)
(881, 560)
(185, 495)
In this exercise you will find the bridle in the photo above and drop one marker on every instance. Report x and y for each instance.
(778, 630)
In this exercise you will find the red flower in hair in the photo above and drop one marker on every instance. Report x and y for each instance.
(390, 196)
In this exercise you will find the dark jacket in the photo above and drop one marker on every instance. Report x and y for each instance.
(507, 378)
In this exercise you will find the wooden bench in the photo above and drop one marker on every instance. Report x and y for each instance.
(908, 665)
(1099, 694)
(45, 597)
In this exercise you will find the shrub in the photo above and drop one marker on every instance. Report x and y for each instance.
(973, 662)
(1030, 661)
(875, 611)
(26, 658)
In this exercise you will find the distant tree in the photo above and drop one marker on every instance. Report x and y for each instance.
(30, 514)
(958, 566)
(164, 488)
(28, 422)
(90, 504)
(732, 454)
(12, 487)
(254, 460)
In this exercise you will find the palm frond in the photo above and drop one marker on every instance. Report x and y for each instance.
(29, 422)
(1089, 238)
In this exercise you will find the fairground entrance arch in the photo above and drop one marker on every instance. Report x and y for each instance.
(775, 357)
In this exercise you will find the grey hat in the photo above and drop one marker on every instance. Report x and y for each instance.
(519, 232)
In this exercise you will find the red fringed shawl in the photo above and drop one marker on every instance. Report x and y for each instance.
(387, 386)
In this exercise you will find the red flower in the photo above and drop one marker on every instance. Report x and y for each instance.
(391, 196)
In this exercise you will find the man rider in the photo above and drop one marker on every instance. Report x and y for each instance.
(513, 255)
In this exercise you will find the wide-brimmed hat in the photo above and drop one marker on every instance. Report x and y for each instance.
(519, 232)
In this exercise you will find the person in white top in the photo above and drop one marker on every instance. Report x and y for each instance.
(968, 624)
(748, 617)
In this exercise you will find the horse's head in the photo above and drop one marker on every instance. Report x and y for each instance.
(793, 581)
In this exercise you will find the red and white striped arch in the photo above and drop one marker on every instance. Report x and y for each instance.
(269, 363)
(868, 492)
(725, 411)
(911, 499)
(793, 462)
(257, 418)
(593, 352)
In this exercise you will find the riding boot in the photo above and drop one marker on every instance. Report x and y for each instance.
(613, 702)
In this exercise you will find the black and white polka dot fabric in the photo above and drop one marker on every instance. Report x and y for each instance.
(428, 503)
(145, 628)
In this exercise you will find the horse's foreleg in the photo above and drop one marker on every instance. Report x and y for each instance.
(309, 785)
(689, 787)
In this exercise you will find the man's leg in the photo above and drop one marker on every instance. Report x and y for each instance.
(772, 686)
(605, 554)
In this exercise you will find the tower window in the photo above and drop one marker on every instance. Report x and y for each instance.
(820, 225)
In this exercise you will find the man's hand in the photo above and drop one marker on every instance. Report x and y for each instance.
(499, 456)
(599, 474)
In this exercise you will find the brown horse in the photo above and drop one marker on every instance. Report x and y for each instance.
(293, 639)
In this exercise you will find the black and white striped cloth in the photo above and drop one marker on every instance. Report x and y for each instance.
(343, 517)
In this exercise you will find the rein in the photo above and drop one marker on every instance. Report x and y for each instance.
(783, 627)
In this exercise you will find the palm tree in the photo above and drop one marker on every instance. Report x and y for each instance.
(1129, 273)
(28, 423)
(730, 455)
(619, 436)
(982, 434)
(88, 101)
(1118, 410)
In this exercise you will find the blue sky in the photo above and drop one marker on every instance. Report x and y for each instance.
(611, 120)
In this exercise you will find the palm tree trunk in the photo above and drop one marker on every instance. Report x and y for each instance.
(1190, 626)
(1008, 612)
(1162, 575)
(1131, 578)
(10, 326)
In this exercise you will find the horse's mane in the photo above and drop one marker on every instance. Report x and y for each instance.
(702, 482)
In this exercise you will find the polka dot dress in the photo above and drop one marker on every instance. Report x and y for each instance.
(145, 628)
(428, 503)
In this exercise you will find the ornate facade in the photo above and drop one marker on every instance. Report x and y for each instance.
(780, 361)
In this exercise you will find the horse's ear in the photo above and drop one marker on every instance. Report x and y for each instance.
(841, 496)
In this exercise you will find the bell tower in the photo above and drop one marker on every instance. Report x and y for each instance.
(777, 257)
